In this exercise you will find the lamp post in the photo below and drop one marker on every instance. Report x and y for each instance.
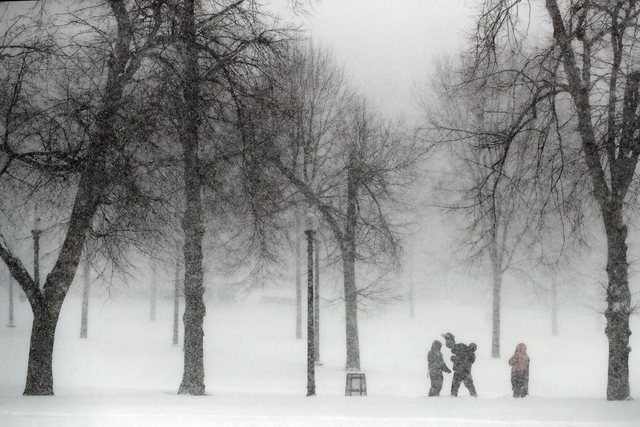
(298, 278)
(316, 305)
(310, 227)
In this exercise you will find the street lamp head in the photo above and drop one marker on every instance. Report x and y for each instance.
(310, 222)
(36, 227)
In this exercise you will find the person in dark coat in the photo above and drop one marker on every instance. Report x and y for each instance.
(463, 357)
(436, 368)
(519, 363)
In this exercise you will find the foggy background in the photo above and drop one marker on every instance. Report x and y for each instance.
(390, 51)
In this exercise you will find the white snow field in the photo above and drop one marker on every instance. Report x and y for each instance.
(127, 372)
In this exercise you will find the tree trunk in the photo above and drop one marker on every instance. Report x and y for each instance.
(195, 310)
(11, 323)
(22, 297)
(36, 256)
(618, 306)
(351, 311)
(47, 302)
(298, 280)
(153, 290)
(349, 265)
(610, 200)
(84, 318)
(495, 325)
(39, 369)
(316, 303)
(176, 304)
(192, 224)
(554, 305)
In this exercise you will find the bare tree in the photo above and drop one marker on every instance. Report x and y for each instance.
(316, 95)
(497, 200)
(348, 163)
(192, 223)
(214, 50)
(87, 160)
(589, 68)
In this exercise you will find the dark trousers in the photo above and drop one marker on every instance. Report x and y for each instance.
(520, 383)
(436, 383)
(465, 378)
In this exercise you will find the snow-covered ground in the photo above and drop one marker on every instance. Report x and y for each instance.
(127, 372)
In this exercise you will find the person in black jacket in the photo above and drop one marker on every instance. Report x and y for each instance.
(463, 357)
(436, 367)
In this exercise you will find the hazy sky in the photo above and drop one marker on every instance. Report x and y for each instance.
(389, 46)
(386, 46)
(388, 49)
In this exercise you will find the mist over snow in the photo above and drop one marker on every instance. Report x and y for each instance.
(125, 373)
(221, 212)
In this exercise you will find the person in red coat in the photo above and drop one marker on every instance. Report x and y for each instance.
(520, 371)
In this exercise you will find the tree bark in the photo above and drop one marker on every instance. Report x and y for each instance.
(84, 318)
(40, 366)
(192, 223)
(618, 306)
(495, 324)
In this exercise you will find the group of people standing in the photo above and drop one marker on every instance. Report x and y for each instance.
(463, 356)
